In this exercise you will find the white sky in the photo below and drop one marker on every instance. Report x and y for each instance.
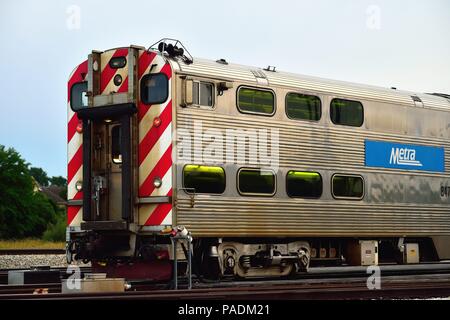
(405, 44)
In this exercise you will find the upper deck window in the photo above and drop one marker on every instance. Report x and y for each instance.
(154, 88)
(203, 94)
(347, 112)
(256, 101)
(78, 97)
(303, 107)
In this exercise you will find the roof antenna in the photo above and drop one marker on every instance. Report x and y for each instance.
(174, 48)
(270, 68)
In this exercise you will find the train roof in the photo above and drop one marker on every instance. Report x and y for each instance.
(222, 69)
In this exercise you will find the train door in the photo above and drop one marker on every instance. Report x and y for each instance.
(107, 166)
(109, 129)
(107, 171)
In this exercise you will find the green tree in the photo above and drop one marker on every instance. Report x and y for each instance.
(23, 212)
(58, 181)
(40, 176)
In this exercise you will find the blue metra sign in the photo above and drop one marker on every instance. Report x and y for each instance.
(404, 156)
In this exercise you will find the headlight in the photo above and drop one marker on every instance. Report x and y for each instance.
(79, 185)
(157, 182)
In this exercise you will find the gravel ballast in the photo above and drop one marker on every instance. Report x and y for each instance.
(27, 261)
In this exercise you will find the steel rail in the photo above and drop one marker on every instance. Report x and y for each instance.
(355, 288)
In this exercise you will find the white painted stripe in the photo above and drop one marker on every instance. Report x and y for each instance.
(123, 72)
(73, 145)
(168, 219)
(159, 65)
(78, 218)
(105, 57)
(145, 211)
(70, 114)
(155, 154)
(147, 121)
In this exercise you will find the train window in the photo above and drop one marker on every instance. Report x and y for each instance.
(347, 112)
(78, 97)
(256, 101)
(116, 154)
(203, 94)
(347, 186)
(303, 107)
(256, 181)
(303, 184)
(154, 88)
(203, 179)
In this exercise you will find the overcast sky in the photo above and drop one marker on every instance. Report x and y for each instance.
(405, 44)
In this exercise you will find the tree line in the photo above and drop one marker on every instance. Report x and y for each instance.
(24, 210)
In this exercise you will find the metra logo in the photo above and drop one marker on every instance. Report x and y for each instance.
(384, 154)
(404, 156)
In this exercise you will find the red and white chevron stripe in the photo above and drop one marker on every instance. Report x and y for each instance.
(74, 150)
(155, 142)
(107, 73)
(155, 146)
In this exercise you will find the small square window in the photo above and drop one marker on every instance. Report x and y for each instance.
(203, 94)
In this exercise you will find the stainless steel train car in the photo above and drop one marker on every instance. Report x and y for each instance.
(268, 173)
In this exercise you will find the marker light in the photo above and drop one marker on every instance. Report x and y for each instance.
(157, 182)
(80, 127)
(79, 185)
(117, 79)
(157, 121)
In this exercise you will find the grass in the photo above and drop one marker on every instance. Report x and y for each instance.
(30, 244)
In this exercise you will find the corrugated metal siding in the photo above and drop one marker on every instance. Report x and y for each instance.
(344, 146)
(209, 68)
(304, 144)
(324, 147)
(216, 70)
(213, 216)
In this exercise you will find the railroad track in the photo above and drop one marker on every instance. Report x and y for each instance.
(409, 287)
(322, 283)
(9, 252)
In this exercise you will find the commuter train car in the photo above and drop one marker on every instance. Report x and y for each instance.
(270, 172)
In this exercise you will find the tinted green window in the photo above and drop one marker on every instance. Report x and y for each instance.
(347, 112)
(78, 98)
(256, 101)
(348, 186)
(303, 184)
(303, 107)
(256, 181)
(204, 179)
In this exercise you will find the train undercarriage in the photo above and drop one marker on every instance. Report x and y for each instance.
(152, 257)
